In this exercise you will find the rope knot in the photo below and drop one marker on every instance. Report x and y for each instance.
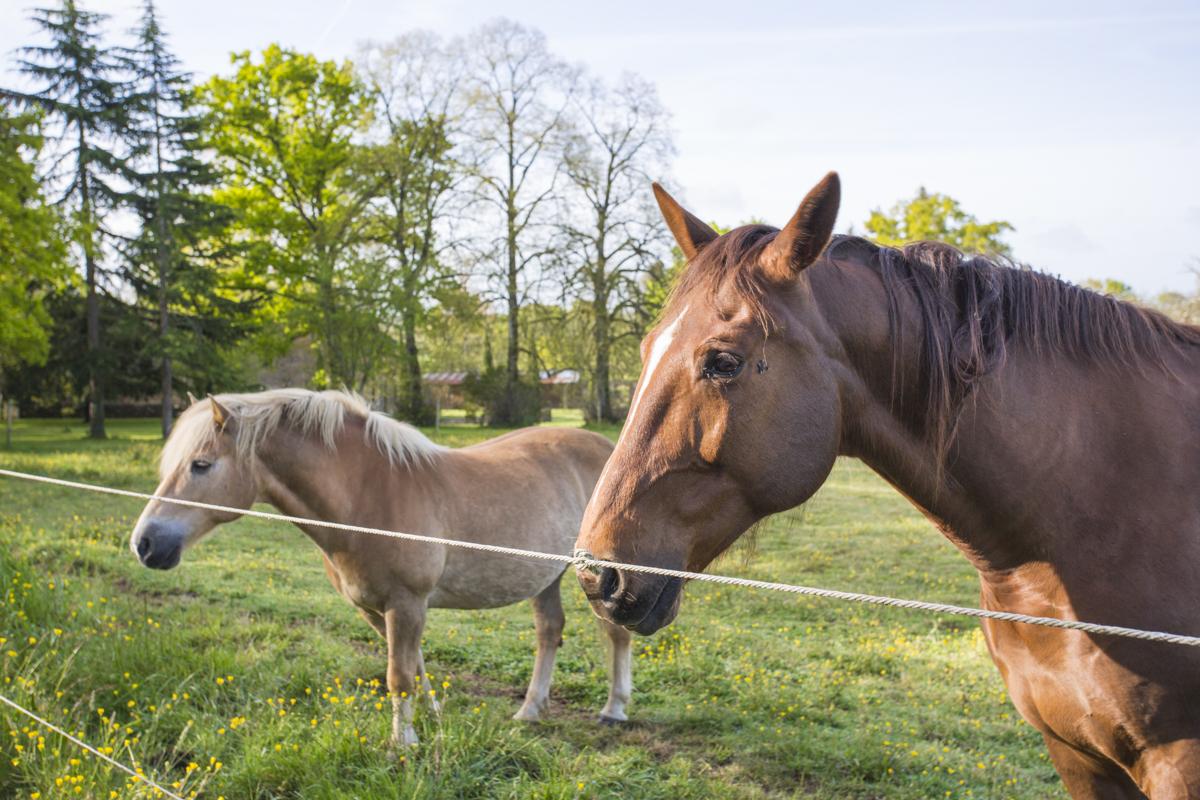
(584, 561)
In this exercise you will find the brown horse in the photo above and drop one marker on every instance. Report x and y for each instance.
(326, 455)
(1051, 433)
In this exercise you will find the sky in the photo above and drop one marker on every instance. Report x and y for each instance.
(1077, 122)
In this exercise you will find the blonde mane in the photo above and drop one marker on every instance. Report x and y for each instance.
(318, 414)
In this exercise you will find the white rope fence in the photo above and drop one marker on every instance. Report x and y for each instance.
(583, 560)
(137, 775)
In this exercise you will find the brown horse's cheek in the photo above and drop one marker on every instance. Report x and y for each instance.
(727, 517)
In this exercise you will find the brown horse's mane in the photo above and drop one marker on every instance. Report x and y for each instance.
(973, 309)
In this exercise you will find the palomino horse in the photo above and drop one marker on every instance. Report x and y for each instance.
(1051, 433)
(327, 456)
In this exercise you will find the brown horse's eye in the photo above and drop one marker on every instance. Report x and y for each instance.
(722, 364)
(200, 466)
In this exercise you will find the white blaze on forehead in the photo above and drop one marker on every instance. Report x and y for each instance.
(657, 351)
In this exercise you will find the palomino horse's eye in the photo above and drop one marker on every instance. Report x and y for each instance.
(722, 364)
(200, 466)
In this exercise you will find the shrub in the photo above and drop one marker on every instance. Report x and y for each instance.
(520, 406)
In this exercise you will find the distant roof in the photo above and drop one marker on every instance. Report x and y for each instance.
(444, 378)
(457, 378)
(562, 376)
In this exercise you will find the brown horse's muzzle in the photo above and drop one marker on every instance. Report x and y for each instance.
(640, 602)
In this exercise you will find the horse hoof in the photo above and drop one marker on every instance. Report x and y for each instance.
(526, 716)
(405, 743)
(610, 722)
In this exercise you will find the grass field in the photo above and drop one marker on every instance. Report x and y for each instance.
(242, 675)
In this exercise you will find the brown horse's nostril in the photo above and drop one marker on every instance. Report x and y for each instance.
(610, 583)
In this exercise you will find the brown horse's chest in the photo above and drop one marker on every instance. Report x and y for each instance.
(1064, 683)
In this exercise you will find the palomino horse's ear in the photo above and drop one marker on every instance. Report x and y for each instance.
(221, 414)
(191, 399)
(689, 231)
(806, 234)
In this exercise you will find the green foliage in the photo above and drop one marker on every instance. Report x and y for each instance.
(32, 252)
(1112, 287)
(500, 400)
(61, 383)
(1179, 306)
(174, 263)
(412, 156)
(937, 218)
(80, 92)
(283, 129)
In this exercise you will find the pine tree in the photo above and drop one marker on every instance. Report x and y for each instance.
(171, 262)
(80, 93)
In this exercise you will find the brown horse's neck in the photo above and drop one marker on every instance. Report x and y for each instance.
(1025, 477)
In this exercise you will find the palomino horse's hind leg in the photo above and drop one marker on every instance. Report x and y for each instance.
(405, 619)
(1088, 778)
(426, 685)
(548, 620)
(620, 673)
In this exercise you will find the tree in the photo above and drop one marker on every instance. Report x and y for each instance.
(937, 218)
(415, 82)
(80, 93)
(521, 95)
(170, 261)
(32, 252)
(613, 230)
(1113, 288)
(1183, 307)
(283, 129)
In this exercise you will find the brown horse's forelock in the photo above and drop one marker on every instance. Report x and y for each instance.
(724, 261)
(973, 308)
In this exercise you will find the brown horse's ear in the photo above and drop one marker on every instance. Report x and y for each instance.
(806, 234)
(689, 231)
(221, 414)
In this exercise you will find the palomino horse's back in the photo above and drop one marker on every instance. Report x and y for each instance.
(525, 489)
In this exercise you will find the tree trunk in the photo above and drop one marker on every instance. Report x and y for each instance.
(163, 256)
(601, 327)
(603, 344)
(95, 372)
(168, 389)
(414, 399)
(512, 367)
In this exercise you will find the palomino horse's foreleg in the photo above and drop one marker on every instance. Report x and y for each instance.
(548, 620)
(1089, 778)
(404, 619)
(620, 672)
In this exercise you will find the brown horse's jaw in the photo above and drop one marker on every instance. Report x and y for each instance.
(664, 609)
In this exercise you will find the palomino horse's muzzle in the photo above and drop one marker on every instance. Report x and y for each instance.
(157, 546)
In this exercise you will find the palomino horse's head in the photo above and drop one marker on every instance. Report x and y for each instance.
(735, 416)
(200, 463)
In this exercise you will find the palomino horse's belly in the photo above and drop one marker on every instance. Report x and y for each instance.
(484, 580)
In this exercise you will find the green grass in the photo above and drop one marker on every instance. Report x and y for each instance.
(242, 675)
